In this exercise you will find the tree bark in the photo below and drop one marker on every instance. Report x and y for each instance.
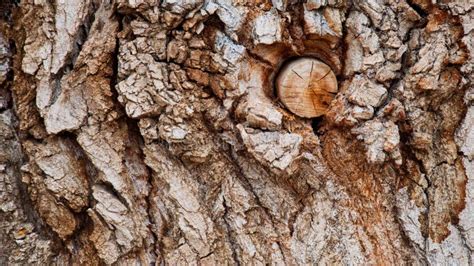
(150, 132)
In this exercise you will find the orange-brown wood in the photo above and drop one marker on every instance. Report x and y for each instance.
(306, 86)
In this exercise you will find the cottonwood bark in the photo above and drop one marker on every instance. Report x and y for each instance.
(149, 132)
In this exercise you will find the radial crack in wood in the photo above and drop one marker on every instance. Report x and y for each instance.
(306, 86)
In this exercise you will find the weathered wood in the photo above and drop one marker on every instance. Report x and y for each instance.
(141, 132)
(306, 86)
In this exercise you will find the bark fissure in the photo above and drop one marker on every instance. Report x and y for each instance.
(145, 132)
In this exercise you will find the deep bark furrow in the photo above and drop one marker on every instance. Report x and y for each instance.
(152, 132)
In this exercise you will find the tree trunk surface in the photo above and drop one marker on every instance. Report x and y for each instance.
(138, 132)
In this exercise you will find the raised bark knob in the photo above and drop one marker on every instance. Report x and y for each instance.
(306, 86)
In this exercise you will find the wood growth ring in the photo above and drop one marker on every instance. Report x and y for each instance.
(306, 86)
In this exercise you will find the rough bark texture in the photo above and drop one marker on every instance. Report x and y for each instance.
(146, 131)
